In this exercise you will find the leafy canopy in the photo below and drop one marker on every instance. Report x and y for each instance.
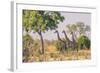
(78, 29)
(84, 41)
(27, 40)
(40, 21)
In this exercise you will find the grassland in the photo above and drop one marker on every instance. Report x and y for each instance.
(57, 56)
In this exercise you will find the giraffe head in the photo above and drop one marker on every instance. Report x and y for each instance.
(63, 31)
(56, 31)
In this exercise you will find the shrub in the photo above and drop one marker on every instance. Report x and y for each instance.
(83, 42)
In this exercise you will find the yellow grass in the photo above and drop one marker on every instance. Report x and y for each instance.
(51, 48)
(53, 55)
(71, 55)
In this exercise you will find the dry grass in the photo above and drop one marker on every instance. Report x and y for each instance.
(54, 55)
(71, 55)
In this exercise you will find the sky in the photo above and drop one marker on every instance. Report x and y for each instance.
(70, 18)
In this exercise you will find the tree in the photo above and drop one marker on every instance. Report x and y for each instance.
(40, 22)
(71, 28)
(83, 42)
(78, 29)
(82, 29)
(27, 47)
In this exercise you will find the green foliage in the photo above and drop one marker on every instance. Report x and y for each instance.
(78, 28)
(41, 20)
(30, 47)
(82, 28)
(27, 40)
(27, 47)
(71, 28)
(60, 46)
(83, 42)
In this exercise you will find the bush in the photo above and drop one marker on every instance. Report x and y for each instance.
(83, 42)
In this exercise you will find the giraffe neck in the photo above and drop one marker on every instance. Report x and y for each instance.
(66, 36)
(59, 36)
(73, 39)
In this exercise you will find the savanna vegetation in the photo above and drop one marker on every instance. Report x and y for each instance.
(75, 45)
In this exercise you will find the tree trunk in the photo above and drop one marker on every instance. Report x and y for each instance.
(42, 43)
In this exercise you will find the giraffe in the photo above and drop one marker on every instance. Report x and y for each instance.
(75, 45)
(61, 42)
(71, 44)
(74, 41)
(68, 41)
